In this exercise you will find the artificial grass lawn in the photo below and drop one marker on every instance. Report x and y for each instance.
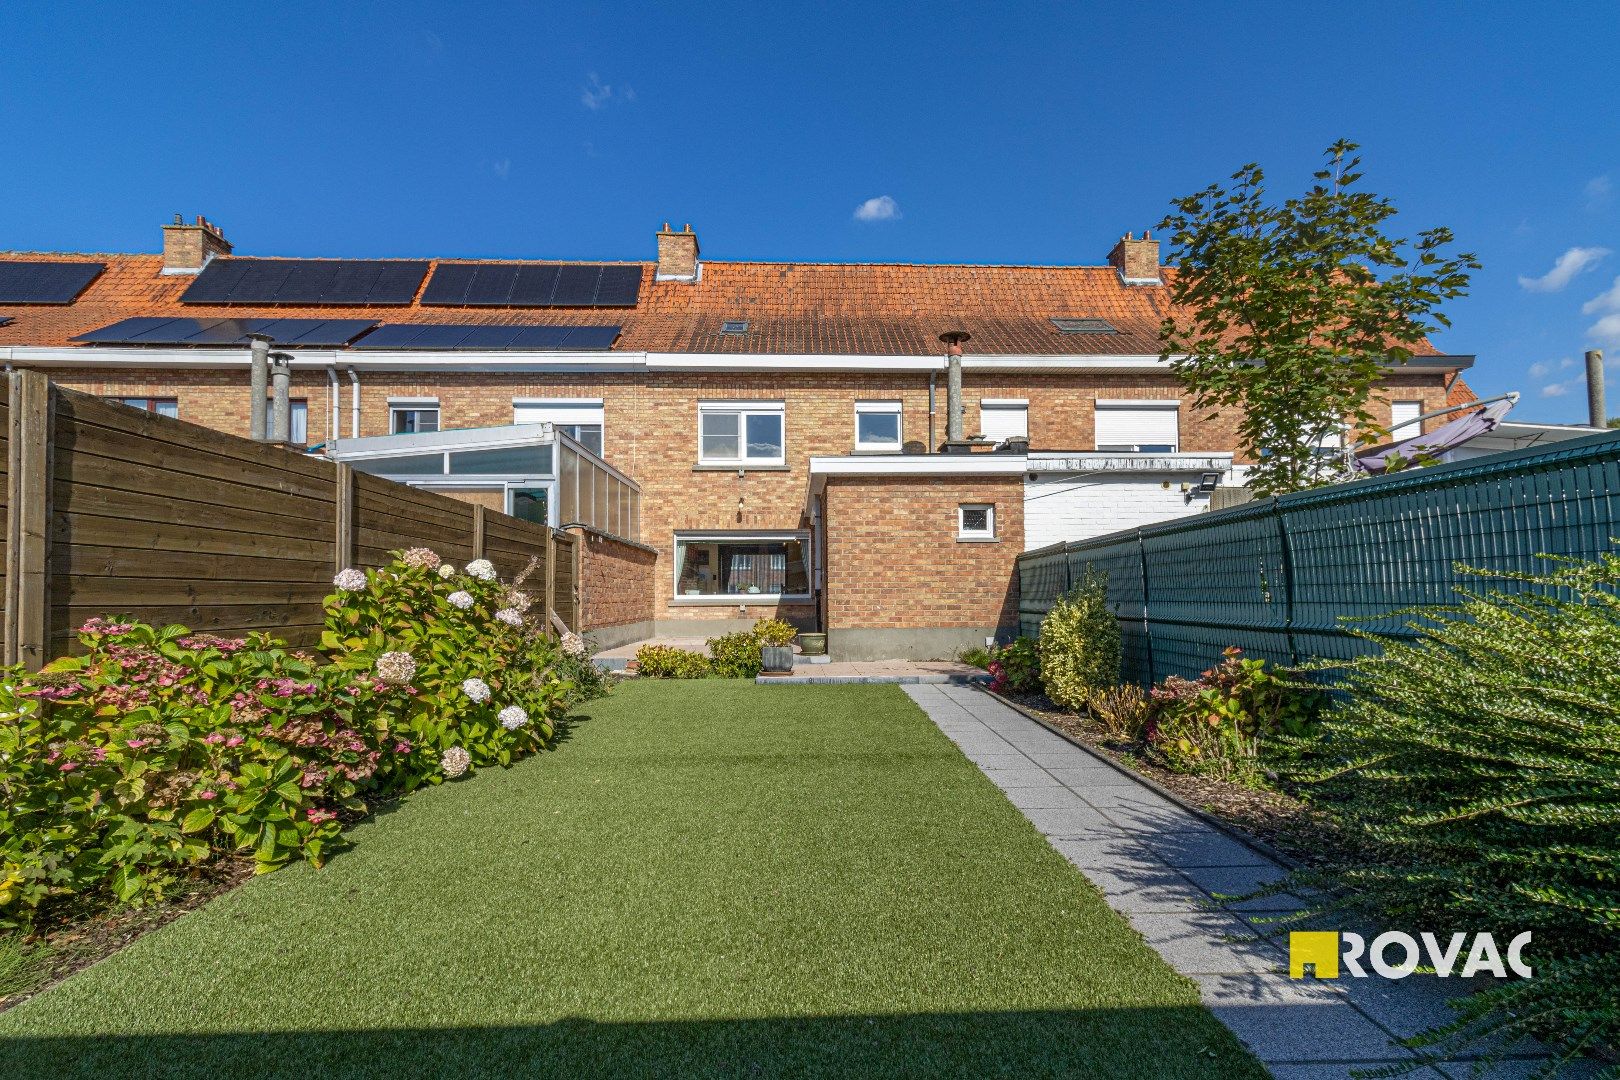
(707, 878)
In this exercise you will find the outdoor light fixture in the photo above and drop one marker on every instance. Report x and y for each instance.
(1208, 482)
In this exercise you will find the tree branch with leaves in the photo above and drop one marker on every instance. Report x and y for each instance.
(1294, 311)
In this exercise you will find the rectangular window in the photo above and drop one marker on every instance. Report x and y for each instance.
(976, 521)
(877, 426)
(740, 565)
(1403, 419)
(1138, 427)
(578, 418)
(297, 419)
(163, 406)
(410, 416)
(1004, 418)
(740, 433)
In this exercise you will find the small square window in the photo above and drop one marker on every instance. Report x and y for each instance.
(877, 426)
(976, 521)
(412, 419)
(734, 326)
(1084, 326)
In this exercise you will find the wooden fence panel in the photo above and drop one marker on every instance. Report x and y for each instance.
(565, 598)
(117, 511)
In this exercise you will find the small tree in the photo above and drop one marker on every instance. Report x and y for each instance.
(1293, 311)
(1080, 644)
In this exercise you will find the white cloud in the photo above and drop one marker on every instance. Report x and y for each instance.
(1569, 264)
(596, 94)
(1606, 331)
(1598, 191)
(1556, 389)
(882, 208)
(1604, 301)
(502, 168)
(1540, 369)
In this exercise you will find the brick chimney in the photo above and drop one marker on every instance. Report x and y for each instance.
(677, 255)
(187, 248)
(1136, 260)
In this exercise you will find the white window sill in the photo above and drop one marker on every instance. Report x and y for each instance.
(978, 539)
(739, 599)
(745, 466)
(885, 448)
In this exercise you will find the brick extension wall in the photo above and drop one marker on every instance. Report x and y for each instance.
(651, 430)
(616, 589)
(900, 582)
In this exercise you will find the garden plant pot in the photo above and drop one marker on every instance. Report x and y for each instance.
(813, 644)
(778, 658)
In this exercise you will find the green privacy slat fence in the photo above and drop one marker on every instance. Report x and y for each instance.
(1276, 577)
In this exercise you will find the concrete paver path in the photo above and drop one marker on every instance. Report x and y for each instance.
(1160, 867)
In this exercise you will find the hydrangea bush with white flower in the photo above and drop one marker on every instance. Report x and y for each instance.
(247, 745)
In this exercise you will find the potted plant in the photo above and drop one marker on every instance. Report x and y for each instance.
(778, 659)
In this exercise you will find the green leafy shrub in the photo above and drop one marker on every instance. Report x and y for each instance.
(1080, 644)
(1223, 722)
(975, 656)
(1123, 711)
(1482, 761)
(736, 656)
(775, 632)
(668, 662)
(156, 751)
(1015, 666)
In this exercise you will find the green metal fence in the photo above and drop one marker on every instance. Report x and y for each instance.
(1276, 577)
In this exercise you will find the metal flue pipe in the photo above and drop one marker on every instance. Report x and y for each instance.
(1596, 408)
(259, 384)
(281, 398)
(953, 384)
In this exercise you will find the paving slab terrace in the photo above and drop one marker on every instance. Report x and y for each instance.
(1166, 870)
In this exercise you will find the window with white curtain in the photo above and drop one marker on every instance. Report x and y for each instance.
(1004, 418)
(1138, 427)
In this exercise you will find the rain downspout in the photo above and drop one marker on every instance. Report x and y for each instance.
(932, 446)
(334, 394)
(354, 404)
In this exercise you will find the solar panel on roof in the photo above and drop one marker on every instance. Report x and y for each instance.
(471, 336)
(619, 287)
(46, 282)
(289, 333)
(307, 281)
(533, 285)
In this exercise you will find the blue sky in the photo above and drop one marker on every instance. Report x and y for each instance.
(1009, 132)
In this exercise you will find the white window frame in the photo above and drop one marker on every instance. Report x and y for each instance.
(743, 410)
(564, 412)
(1140, 404)
(884, 408)
(734, 599)
(1005, 406)
(399, 405)
(987, 533)
(1409, 428)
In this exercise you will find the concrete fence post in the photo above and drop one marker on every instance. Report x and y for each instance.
(551, 578)
(28, 520)
(478, 531)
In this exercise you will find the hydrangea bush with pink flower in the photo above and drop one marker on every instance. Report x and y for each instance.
(156, 752)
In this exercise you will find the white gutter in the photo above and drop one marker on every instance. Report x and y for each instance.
(981, 464)
(504, 361)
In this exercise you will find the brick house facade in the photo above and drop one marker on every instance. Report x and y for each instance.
(814, 344)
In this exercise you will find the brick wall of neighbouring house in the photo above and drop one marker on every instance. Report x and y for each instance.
(894, 561)
(651, 430)
(616, 582)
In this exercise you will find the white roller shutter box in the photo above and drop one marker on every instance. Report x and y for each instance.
(1138, 426)
(557, 411)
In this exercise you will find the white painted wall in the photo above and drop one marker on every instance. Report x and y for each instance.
(1059, 508)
